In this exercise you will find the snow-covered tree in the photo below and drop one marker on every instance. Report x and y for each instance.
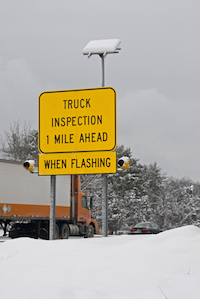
(153, 184)
(19, 142)
(92, 186)
(181, 203)
(124, 188)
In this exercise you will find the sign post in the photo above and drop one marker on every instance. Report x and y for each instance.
(104, 176)
(52, 207)
(102, 48)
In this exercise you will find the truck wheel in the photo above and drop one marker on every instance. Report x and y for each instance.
(91, 231)
(65, 231)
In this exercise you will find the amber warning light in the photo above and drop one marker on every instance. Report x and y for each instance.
(124, 162)
(29, 165)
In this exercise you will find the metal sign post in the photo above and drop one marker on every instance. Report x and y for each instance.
(73, 199)
(102, 48)
(52, 222)
(104, 176)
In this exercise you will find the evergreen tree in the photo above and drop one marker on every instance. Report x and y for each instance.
(153, 183)
(181, 203)
(124, 188)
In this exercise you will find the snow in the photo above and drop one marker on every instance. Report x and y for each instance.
(166, 265)
(101, 46)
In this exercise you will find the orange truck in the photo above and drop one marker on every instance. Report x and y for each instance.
(25, 204)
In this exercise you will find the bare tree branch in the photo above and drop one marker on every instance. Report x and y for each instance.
(19, 142)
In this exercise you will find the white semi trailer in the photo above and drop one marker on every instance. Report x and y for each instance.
(25, 204)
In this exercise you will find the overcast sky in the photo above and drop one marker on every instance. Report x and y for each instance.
(156, 74)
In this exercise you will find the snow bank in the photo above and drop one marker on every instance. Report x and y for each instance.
(155, 266)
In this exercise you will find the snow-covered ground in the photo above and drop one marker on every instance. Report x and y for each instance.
(166, 265)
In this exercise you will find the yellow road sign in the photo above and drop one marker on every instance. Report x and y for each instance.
(77, 163)
(77, 120)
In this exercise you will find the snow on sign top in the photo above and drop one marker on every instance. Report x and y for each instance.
(102, 46)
